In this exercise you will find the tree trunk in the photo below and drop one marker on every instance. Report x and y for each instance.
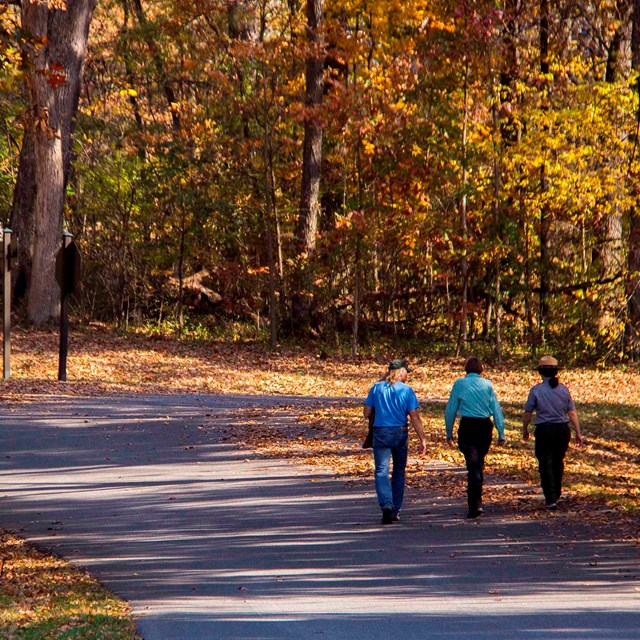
(464, 266)
(633, 260)
(545, 214)
(54, 51)
(269, 206)
(610, 230)
(497, 222)
(158, 63)
(307, 225)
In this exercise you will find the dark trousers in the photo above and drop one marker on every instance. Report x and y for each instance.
(474, 440)
(552, 442)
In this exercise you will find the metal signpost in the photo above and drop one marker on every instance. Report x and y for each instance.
(9, 253)
(68, 270)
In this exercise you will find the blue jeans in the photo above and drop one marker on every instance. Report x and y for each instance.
(390, 443)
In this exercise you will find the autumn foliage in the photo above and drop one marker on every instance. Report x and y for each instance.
(479, 176)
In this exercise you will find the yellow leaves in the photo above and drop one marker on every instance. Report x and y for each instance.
(128, 92)
(369, 147)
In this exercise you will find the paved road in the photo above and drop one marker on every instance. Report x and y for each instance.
(209, 542)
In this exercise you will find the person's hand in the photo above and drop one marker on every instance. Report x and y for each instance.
(451, 442)
(423, 447)
(579, 439)
(501, 442)
(525, 435)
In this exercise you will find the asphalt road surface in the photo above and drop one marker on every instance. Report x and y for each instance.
(210, 542)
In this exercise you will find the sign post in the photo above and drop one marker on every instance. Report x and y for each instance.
(68, 276)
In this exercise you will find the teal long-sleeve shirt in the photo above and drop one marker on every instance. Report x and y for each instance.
(473, 397)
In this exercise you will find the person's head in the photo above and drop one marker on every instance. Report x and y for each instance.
(397, 370)
(473, 365)
(548, 368)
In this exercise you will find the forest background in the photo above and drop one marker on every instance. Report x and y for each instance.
(464, 173)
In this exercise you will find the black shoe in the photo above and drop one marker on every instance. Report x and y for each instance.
(395, 517)
(387, 516)
(475, 513)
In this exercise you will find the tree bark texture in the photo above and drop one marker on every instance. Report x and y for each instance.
(54, 51)
(307, 225)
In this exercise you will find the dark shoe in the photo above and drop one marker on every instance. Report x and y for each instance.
(387, 516)
(475, 513)
(395, 517)
(552, 506)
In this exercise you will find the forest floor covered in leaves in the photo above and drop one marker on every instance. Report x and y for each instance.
(602, 477)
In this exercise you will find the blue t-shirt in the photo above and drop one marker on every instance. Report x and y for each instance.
(392, 403)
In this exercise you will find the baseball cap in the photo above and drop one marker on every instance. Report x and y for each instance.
(399, 363)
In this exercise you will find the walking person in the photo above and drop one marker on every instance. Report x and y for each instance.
(393, 403)
(475, 400)
(554, 408)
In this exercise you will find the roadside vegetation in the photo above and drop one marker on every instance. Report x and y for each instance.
(44, 597)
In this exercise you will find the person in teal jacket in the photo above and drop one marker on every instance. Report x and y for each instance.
(475, 400)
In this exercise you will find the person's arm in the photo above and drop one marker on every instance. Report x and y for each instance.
(367, 411)
(498, 417)
(416, 423)
(450, 414)
(529, 408)
(526, 419)
(573, 418)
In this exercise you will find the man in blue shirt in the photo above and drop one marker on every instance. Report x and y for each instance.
(392, 401)
(475, 400)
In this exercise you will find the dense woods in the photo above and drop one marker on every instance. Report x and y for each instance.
(458, 171)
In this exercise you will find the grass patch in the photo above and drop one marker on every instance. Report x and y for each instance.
(42, 596)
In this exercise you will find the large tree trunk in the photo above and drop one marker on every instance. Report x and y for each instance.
(54, 51)
(311, 167)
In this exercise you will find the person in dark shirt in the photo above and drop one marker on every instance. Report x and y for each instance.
(554, 409)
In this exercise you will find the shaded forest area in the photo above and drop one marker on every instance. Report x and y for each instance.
(463, 172)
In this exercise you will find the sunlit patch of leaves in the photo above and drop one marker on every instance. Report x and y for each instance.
(43, 597)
